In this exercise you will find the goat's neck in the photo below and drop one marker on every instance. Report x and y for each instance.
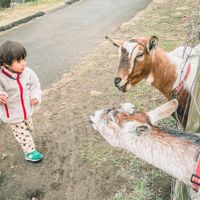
(174, 155)
(165, 76)
(163, 72)
(174, 152)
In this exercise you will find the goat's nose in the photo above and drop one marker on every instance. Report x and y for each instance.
(117, 81)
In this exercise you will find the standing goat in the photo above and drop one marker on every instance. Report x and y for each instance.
(141, 58)
(174, 153)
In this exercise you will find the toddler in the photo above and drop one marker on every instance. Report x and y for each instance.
(20, 92)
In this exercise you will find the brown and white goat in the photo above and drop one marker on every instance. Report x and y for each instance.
(174, 152)
(141, 58)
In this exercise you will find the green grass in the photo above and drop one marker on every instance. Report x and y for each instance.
(143, 182)
(39, 2)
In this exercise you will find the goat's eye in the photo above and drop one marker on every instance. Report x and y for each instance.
(139, 55)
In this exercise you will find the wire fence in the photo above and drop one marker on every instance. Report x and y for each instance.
(191, 40)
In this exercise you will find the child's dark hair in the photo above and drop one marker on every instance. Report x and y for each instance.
(10, 51)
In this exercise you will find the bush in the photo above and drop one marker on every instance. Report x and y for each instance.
(30, 0)
(5, 3)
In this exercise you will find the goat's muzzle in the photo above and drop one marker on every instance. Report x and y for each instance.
(117, 81)
(120, 87)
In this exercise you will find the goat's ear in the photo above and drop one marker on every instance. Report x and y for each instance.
(162, 111)
(116, 43)
(152, 44)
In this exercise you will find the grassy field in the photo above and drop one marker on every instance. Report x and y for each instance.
(169, 20)
(115, 174)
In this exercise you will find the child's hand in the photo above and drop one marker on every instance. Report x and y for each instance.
(3, 99)
(34, 102)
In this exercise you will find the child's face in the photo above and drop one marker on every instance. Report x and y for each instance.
(18, 66)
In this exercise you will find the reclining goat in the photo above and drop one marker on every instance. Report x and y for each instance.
(174, 152)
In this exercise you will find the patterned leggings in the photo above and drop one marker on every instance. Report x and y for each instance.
(22, 132)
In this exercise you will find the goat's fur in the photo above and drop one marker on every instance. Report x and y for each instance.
(125, 127)
(141, 58)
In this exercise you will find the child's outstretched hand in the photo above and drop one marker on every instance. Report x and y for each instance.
(3, 99)
(34, 102)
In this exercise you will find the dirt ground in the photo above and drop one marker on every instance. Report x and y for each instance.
(78, 164)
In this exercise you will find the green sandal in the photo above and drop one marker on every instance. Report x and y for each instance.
(34, 156)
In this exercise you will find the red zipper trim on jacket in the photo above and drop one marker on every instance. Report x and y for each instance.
(7, 74)
(7, 112)
(21, 97)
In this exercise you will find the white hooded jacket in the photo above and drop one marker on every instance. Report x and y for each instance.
(20, 89)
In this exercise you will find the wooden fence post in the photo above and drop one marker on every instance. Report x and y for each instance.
(180, 191)
(193, 125)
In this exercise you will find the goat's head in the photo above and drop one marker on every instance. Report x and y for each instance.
(123, 125)
(135, 58)
(106, 122)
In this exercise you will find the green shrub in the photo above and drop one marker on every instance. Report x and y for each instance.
(5, 3)
(30, 1)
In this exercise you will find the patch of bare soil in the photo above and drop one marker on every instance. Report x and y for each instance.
(78, 164)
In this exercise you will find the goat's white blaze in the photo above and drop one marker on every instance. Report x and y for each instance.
(132, 49)
(129, 46)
